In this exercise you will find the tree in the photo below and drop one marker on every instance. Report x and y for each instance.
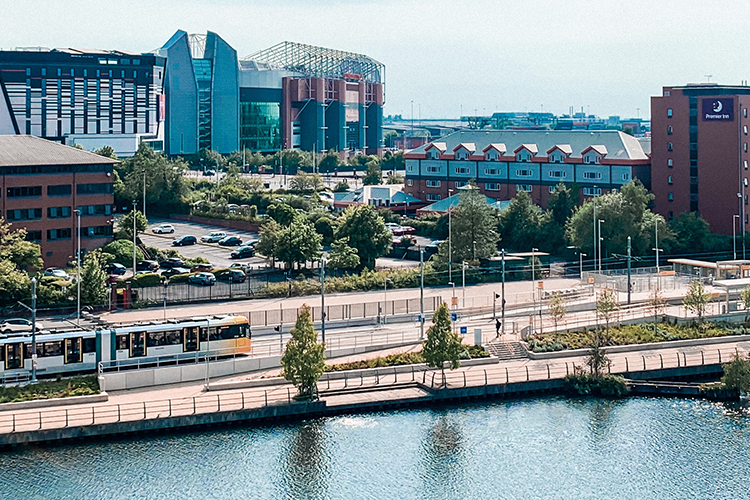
(329, 162)
(297, 243)
(737, 375)
(165, 182)
(520, 224)
(341, 187)
(125, 224)
(269, 235)
(325, 226)
(304, 357)
(442, 345)
(306, 183)
(374, 174)
(474, 224)
(557, 307)
(122, 252)
(696, 299)
(745, 298)
(107, 152)
(394, 178)
(366, 232)
(14, 283)
(560, 206)
(93, 279)
(691, 233)
(14, 248)
(342, 256)
(607, 306)
(282, 213)
(657, 303)
(393, 161)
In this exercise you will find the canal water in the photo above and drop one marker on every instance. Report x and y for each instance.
(636, 448)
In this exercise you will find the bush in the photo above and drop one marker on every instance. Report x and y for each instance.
(64, 388)
(146, 280)
(406, 358)
(586, 384)
(180, 278)
(122, 250)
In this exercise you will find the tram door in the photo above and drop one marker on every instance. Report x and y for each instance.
(137, 344)
(13, 356)
(73, 350)
(190, 341)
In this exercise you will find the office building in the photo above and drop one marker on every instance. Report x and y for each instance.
(699, 154)
(44, 182)
(504, 162)
(93, 98)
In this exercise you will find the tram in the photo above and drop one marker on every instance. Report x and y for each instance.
(81, 351)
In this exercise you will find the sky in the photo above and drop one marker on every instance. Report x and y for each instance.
(446, 57)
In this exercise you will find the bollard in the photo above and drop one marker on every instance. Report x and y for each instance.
(644, 362)
(193, 405)
(361, 379)
(627, 365)
(170, 407)
(527, 373)
(424, 374)
(485, 377)
(377, 378)
(328, 387)
(609, 367)
(288, 395)
(93, 416)
(464, 379)
(144, 410)
(506, 375)
(678, 360)
(14, 422)
(662, 361)
(412, 373)
(395, 376)
(118, 413)
(66, 418)
(568, 373)
(218, 403)
(432, 384)
(346, 380)
(243, 400)
(265, 394)
(548, 374)
(719, 351)
(684, 359)
(703, 359)
(40, 420)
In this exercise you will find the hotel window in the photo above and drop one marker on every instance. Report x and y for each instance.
(459, 184)
(669, 180)
(491, 186)
(24, 214)
(592, 175)
(669, 113)
(24, 192)
(523, 173)
(58, 234)
(433, 184)
(33, 236)
(670, 196)
(558, 173)
(410, 168)
(669, 130)
(59, 190)
(523, 187)
(592, 191)
(58, 212)
(626, 177)
(669, 146)
(669, 163)
(433, 170)
(462, 170)
(744, 129)
(433, 197)
(490, 171)
(409, 182)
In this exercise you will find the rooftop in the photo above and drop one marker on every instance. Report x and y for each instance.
(27, 150)
(618, 144)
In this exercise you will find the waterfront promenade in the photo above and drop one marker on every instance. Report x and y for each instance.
(187, 405)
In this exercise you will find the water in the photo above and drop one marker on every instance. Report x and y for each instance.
(636, 448)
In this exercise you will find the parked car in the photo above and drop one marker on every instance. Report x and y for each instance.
(202, 268)
(18, 325)
(208, 173)
(147, 265)
(175, 271)
(184, 241)
(231, 275)
(241, 266)
(115, 268)
(205, 279)
(172, 262)
(213, 237)
(243, 253)
(163, 229)
(230, 241)
(57, 273)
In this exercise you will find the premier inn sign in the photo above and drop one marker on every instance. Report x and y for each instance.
(718, 109)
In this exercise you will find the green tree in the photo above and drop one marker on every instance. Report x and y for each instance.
(560, 206)
(342, 256)
(745, 298)
(442, 345)
(691, 233)
(125, 224)
(520, 224)
(696, 299)
(14, 248)
(394, 178)
(657, 303)
(325, 226)
(366, 232)
(374, 174)
(14, 283)
(122, 250)
(737, 375)
(296, 243)
(93, 279)
(557, 307)
(165, 182)
(329, 162)
(269, 235)
(474, 223)
(306, 183)
(304, 357)
(607, 306)
(393, 161)
(341, 186)
(107, 152)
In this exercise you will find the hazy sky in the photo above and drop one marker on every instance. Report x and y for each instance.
(489, 55)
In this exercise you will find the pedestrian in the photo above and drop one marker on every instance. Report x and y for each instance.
(497, 326)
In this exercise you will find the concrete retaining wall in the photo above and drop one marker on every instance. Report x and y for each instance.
(45, 403)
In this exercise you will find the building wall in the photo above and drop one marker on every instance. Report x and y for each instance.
(58, 252)
(181, 133)
(225, 98)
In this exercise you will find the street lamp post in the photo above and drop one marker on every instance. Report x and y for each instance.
(421, 292)
(33, 330)
(385, 298)
(450, 241)
(502, 291)
(166, 284)
(734, 236)
(629, 262)
(463, 283)
(533, 284)
(208, 350)
(600, 245)
(78, 268)
(134, 237)
(323, 299)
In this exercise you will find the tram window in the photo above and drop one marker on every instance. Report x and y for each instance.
(155, 339)
(27, 351)
(89, 345)
(123, 342)
(204, 336)
(173, 338)
(53, 349)
(214, 333)
(2, 352)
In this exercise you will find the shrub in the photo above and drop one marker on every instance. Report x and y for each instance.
(63, 388)
(122, 250)
(582, 383)
(146, 280)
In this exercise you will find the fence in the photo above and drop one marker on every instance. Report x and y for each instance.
(641, 279)
(258, 398)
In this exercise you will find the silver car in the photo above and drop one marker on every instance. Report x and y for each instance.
(18, 325)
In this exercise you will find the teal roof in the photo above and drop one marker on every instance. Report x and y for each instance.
(452, 201)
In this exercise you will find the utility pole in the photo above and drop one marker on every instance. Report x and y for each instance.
(421, 293)
(323, 299)
(600, 245)
(78, 267)
(134, 237)
(629, 266)
(463, 283)
(502, 291)
(144, 190)
(595, 238)
(33, 330)
(450, 242)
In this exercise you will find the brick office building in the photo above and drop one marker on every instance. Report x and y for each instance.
(43, 183)
(699, 153)
(503, 162)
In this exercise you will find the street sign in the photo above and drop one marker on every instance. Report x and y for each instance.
(454, 301)
(463, 330)
(419, 318)
(454, 316)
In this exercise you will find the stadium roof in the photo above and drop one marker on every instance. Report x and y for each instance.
(320, 62)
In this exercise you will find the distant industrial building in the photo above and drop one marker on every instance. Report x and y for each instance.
(43, 183)
(699, 154)
(195, 93)
(504, 162)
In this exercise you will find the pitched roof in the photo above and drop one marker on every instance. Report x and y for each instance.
(497, 146)
(468, 146)
(599, 148)
(619, 145)
(440, 146)
(531, 148)
(565, 148)
(27, 150)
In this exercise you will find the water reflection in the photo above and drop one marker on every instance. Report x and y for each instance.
(305, 473)
(442, 459)
(600, 420)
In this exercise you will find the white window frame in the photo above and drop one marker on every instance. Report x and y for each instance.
(524, 187)
(432, 183)
(492, 186)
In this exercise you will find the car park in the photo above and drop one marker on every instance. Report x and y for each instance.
(163, 229)
(57, 273)
(147, 265)
(213, 237)
(230, 241)
(202, 268)
(18, 325)
(172, 262)
(115, 268)
(243, 253)
(205, 279)
(231, 275)
(175, 271)
(184, 241)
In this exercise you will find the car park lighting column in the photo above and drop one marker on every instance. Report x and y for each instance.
(78, 266)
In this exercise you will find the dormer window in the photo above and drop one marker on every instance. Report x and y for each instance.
(434, 154)
(523, 156)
